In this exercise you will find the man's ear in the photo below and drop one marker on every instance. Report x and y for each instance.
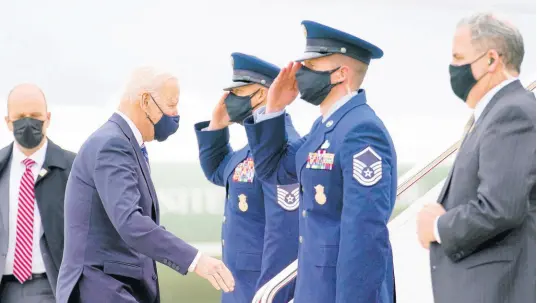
(493, 60)
(47, 121)
(9, 123)
(341, 74)
(260, 97)
(145, 98)
(262, 94)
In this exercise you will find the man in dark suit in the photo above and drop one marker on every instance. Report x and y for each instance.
(112, 228)
(33, 175)
(481, 234)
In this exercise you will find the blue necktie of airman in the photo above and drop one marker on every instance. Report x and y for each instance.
(146, 155)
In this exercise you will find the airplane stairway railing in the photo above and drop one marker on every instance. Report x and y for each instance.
(268, 291)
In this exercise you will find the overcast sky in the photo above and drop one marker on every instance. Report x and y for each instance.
(80, 53)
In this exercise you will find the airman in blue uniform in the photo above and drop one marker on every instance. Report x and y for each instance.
(346, 167)
(260, 224)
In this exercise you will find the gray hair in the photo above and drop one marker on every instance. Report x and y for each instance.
(145, 79)
(489, 32)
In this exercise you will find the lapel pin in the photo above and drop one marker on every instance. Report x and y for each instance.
(43, 172)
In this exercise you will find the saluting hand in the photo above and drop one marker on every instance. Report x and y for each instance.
(215, 272)
(284, 89)
(220, 117)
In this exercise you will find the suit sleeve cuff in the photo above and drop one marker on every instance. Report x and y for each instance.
(194, 263)
(436, 233)
(260, 115)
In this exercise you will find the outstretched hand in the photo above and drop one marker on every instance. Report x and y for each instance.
(216, 272)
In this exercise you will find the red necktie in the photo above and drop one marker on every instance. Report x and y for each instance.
(22, 268)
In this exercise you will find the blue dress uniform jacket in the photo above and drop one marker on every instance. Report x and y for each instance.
(347, 169)
(260, 225)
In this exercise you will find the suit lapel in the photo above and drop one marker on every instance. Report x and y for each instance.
(509, 88)
(147, 176)
(5, 166)
(141, 161)
(53, 164)
(54, 158)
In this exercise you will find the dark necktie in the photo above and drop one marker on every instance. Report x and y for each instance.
(146, 156)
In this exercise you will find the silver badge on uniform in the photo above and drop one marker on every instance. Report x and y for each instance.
(288, 196)
(367, 167)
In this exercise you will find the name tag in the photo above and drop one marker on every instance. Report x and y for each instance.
(320, 160)
(244, 172)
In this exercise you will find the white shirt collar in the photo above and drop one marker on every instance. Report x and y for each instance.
(482, 104)
(339, 103)
(134, 129)
(38, 156)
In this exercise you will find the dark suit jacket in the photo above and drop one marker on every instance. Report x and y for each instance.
(487, 252)
(49, 192)
(112, 232)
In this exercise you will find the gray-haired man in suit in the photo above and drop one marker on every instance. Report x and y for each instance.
(481, 234)
(112, 216)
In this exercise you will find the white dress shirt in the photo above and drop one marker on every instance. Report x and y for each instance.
(260, 115)
(16, 173)
(134, 129)
(478, 110)
(139, 139)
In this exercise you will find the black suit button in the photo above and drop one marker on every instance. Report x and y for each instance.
(154, 277)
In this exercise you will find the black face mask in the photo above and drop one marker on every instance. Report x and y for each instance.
(314, 86)
(239, 107)
(462, 79)
(28, 132)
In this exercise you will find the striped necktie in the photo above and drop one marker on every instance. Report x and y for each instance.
(22, 268)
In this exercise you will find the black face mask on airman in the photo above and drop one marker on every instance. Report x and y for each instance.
(28, 132)
(314, 86)
(239, 107)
